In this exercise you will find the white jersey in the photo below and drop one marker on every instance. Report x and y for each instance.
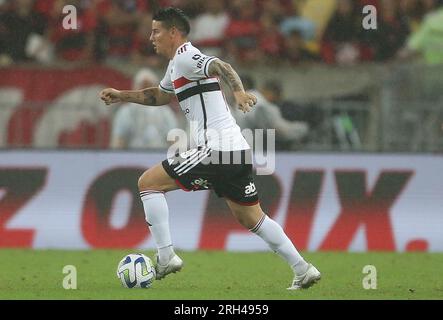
(202, 100)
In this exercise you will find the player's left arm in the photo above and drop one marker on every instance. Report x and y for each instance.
(224, 70)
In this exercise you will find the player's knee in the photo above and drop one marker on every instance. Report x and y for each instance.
(243, 219)
(243, 222)
(248, 216)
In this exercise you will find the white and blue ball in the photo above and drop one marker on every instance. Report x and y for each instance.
(136, 271)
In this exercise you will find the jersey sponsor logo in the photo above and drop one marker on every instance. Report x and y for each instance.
(250, 189)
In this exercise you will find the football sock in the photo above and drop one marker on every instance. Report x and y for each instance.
(157, 217)
(271, 232)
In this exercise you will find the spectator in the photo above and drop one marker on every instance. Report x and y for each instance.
(242, 32)
(21, 29)
(428, 39)
(272, 91)
(391, 33)
(209, 27)
(292, 111)
(136, 126)
(411, 10)
(340, 42)
(120, 19)
(273, 7)
(416, 10)
(430, 5)
(290, 20)
(266, 115)
(74, 44)
(271, 41)
(294, 50)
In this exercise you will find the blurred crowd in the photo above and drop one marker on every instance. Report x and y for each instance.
(240, 31)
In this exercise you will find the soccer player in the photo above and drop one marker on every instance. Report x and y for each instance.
(194, 78)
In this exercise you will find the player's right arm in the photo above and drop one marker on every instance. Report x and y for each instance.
(245, 100)
(149, 96)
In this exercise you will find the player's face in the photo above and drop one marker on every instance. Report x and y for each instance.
(160, 38)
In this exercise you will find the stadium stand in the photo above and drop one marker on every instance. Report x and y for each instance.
(294, 40)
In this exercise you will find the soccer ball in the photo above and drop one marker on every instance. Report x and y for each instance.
(136, 271)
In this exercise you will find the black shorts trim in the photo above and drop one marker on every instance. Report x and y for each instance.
(177, 182)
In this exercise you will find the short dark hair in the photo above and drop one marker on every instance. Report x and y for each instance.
(173, 17)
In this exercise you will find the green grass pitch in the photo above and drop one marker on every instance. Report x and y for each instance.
(215, 275)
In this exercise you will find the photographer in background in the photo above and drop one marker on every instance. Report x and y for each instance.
(267, 115)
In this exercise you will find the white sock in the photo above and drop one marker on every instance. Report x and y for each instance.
(271, 232)
(157, 217)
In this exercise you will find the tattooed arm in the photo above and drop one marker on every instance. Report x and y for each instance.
(224, 70)
(150, 96)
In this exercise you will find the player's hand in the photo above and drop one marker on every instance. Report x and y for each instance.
(110, 95)
(245, 100)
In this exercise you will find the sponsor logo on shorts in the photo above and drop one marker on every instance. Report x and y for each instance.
(200, 183)
(250, 190)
